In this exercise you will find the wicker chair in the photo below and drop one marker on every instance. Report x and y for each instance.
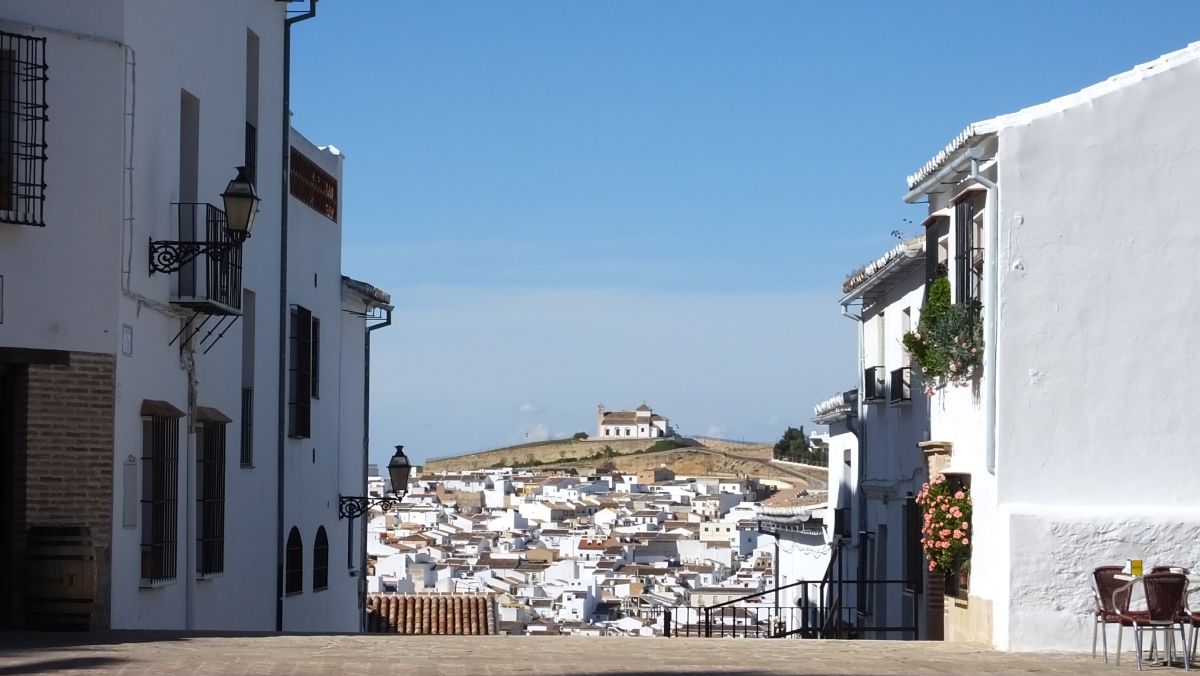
(1112, 600)
(1166, 594)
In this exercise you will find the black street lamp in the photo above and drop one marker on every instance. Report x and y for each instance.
(241, 204)
(399, 469)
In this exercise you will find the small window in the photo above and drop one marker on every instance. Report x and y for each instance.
(247, 440)
(293, 576)
(160, 498)
(210, 498)
(321, 561)
(316, 358)
(300, 372)
(22, 129)
(606, 431)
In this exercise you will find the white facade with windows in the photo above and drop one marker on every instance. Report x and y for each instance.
(1082, 211)
(642, 423)
(882, 531)
(145, 125)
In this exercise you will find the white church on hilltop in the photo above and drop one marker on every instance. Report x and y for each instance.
(642, 423)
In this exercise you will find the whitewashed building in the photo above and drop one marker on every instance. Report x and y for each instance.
(884, 298)
(1071, 222)
(142, 385)
(641, 423)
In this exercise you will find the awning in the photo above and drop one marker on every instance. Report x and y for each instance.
(210, 414)
(155, 408)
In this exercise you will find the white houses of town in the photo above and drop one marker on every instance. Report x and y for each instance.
(147, 354)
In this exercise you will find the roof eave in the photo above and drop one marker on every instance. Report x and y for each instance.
(899, 264)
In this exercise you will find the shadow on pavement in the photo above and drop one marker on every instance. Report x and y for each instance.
(51, 666)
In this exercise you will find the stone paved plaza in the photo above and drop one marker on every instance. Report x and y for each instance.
(176, 653)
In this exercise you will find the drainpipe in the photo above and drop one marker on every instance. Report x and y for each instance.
(991, 316)
(362, 575)
(283, 303)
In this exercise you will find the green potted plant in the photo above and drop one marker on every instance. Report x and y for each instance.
(948, 342)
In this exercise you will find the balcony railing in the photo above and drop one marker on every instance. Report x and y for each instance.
(207, 284)
(875, 384)
(901, 389)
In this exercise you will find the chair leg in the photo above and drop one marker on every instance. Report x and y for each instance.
(1137, 643)
(1095, 629)
(1187, 660)
(1120, 634)
(1104, 640)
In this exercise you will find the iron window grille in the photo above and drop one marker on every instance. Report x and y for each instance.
(313, 186)
(251, 160)
(316, 358)
(968, 258)
(901, 385)
(293, 564)
(247, 441)
(321, 560)
(875, 384)
(23, 76)
(210, 499)
(300, 372)
(160, 498)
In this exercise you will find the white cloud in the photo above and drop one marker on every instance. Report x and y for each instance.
(529, 407)
(715, 431)
(773, 420)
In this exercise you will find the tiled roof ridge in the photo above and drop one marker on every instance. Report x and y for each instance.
(1028, 114)
(909, 247)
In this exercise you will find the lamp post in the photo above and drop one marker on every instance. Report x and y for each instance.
(399, 469)
(241, 204)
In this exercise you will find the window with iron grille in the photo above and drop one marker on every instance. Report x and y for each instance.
(210, 498)
(22, 129)
(251, 153)
(293, 563)
(160, 498)
(247, 441)
(300, 372)
(313, 186)
(968, 256)
(321, 560)
(316, 358)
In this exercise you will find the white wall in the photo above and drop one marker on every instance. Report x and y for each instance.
(91, 234)
(1096, 334)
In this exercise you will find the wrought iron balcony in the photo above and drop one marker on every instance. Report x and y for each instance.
(209, 284)
(875, 384)
(901, 386)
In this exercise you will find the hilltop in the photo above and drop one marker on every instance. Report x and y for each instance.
(687, 456)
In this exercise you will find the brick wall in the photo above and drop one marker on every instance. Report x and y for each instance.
(69, 455)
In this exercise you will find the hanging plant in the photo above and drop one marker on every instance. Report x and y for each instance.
(948, 342)
(946, 532)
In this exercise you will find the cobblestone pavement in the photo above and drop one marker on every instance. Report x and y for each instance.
(199, 654)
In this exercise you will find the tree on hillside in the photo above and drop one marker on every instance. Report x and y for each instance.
(580, 436)
(795, 446)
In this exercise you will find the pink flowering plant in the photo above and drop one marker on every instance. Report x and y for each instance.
(946, 533)
(948, 342)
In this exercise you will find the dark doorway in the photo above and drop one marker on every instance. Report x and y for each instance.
(13, 378)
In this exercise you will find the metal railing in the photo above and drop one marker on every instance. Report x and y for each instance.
(875, 384)
(211, 283)
(901, 386)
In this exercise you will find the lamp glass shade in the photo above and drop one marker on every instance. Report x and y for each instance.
(241, 205)
(399, 470)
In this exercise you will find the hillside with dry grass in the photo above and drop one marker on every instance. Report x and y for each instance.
(692, 457)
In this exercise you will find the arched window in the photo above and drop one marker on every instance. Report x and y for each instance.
(321, 561)
(293, 564)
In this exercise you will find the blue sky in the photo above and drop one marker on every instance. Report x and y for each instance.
(574, 203)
